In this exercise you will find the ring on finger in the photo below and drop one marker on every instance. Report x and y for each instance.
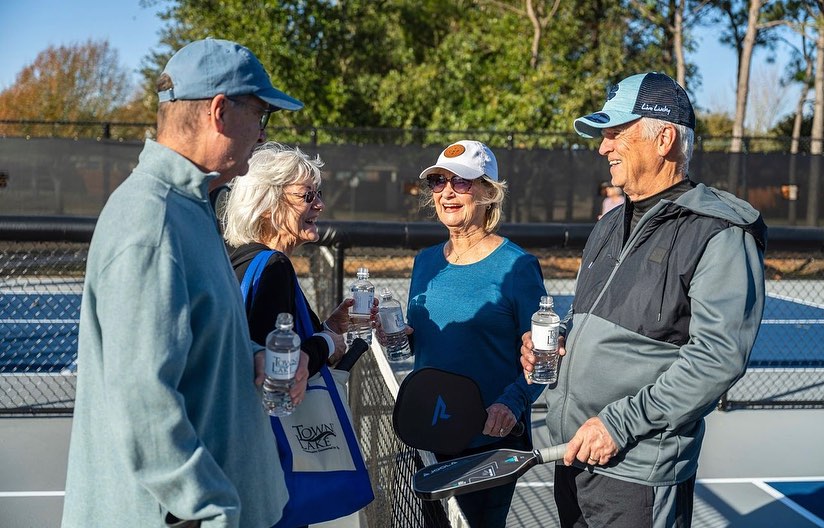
(501, 431)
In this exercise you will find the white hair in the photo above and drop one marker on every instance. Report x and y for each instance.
(255, 203)
(651, 127)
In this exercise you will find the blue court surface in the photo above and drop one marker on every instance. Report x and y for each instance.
(40, 332)
(808, 494)
(791, 334)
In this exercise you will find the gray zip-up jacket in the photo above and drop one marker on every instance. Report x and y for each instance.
(660, 327)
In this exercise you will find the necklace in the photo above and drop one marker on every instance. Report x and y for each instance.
(467, 250)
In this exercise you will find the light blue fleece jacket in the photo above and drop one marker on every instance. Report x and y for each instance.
(167, 418)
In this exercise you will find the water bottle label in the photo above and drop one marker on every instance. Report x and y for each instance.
(545, 337)
(392, 320)
(282, 366)
(363, 302)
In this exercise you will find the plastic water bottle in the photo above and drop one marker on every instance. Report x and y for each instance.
(282, 358)
(360, 315)
(545, 327)
(391, 314)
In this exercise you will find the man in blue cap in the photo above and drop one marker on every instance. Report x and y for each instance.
(168, 428)
(668, 303)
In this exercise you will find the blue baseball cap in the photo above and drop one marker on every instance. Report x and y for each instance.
(208, 67)
(650, 94)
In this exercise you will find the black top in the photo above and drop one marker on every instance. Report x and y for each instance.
(276, 294)
(635, 210)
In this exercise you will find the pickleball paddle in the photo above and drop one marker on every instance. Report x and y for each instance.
(480, 471)
(440, 411)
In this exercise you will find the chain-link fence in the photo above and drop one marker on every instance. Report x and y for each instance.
(42, 264)
(391, 464)
(373, 173)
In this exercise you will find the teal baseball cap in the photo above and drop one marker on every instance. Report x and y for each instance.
(208, 67)
(650, 94)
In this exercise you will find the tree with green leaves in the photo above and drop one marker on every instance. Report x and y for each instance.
(433, 64)
(674, 19)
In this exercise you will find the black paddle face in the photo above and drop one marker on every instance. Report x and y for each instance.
(438, 411)
(472, 473)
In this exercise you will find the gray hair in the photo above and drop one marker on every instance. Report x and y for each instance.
(271, 168)
(651, 127)
(493, 199)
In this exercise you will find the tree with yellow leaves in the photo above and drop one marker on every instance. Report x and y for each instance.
(80, 82)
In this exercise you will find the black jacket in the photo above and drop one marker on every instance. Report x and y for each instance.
(276, 294)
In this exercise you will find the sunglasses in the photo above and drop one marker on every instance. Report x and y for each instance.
(437, 182)
(264, 118)
(308, 196)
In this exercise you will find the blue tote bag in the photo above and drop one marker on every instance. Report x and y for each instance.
(319, 451)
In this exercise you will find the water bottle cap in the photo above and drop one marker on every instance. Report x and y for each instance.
(363, 273)
(546, 300)
(386, 293)
(284, 320)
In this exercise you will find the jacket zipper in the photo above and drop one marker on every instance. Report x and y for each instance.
(630, 242)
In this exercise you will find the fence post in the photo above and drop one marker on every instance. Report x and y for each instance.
(723, 403)
(340, 259)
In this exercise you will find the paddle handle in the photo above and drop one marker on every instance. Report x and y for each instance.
(551, 453)
(359, 346)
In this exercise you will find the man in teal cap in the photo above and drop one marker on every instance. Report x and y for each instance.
(168, 428)
(667, 306)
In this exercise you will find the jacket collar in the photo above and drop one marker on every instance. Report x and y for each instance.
(170, 167)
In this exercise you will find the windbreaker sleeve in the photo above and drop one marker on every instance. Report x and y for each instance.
(144, 319)
(727, 302)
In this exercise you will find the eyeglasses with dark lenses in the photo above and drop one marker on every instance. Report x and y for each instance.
(309, 196)
(437, 182)
(264, 118)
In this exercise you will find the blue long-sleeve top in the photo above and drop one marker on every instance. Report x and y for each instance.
(468, 319)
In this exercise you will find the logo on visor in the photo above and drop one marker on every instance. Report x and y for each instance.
(612, 91)
(453, 151)
(598, 117)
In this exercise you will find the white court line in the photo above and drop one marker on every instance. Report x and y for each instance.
(789, 503)
(731, 480)
(792, 321)
(759, 483)
(16, 494)
(744, 480)
(39, 321)
(795, 300)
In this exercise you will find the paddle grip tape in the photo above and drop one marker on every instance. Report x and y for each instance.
(551, 453)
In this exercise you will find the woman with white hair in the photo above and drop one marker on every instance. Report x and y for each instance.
(470, 300)
(276, 206)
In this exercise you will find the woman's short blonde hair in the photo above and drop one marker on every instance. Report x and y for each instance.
(492, 198)
(255, 206)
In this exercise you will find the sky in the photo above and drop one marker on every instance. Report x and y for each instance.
(28, 27)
